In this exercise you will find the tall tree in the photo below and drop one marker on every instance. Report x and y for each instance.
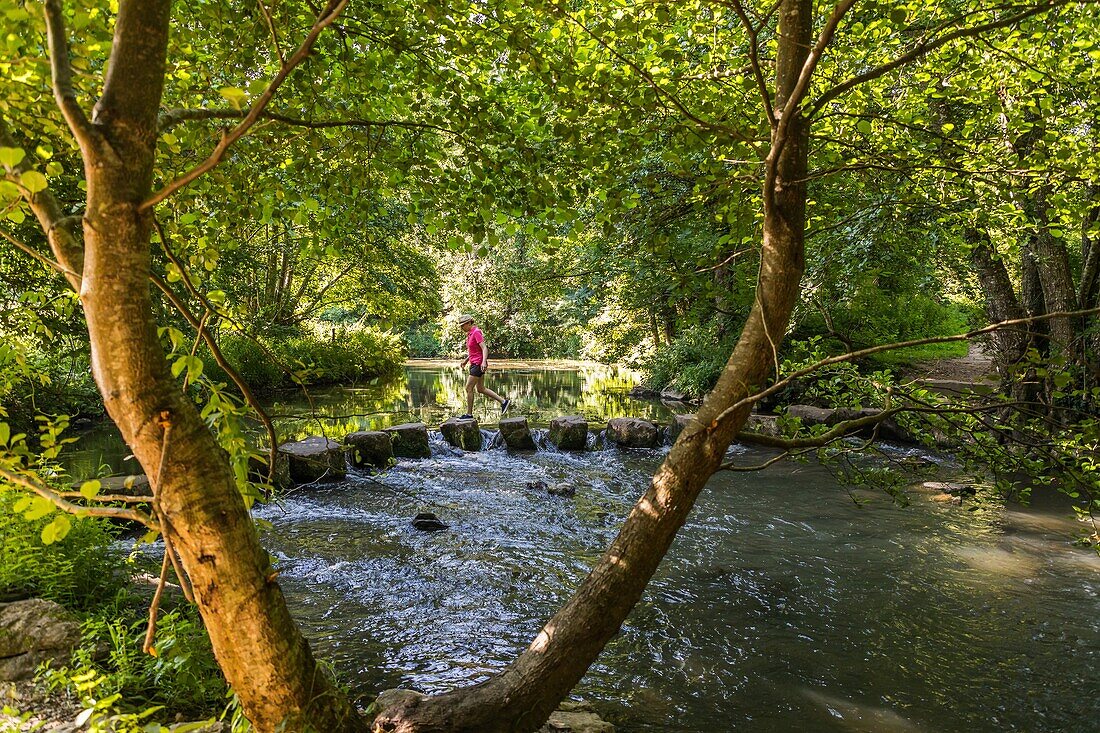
(105, 255)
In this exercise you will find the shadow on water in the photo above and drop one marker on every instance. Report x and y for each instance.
(781, 606)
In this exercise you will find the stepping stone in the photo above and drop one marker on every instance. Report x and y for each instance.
(257, 469)
(370, 448)
(315, 459)
(569, 432)
(516, 433)
(410, 440)
(763, 425)
(632, 432)
(462, 433)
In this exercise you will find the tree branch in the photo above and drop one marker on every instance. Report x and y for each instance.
(212, 344)
(926, 47)
(780, 384)
(62, 73)
(36, 485)
(326, 17)
(170, 118)
(754, 60)
(274, 35)
(65, 245)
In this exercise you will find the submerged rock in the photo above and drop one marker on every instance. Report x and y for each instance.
(428, 522)
(564, 489)
(677, 425)
(576, 717)
(32, 632)
(810, 415)
(315, 459)
(370, 448)
(632, 432)
(763, 425)
(410, 440)
(569, 432)
(675, 395)
(516, 433)
(462, 433)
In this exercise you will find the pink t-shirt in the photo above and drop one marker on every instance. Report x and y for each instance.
(474, 339)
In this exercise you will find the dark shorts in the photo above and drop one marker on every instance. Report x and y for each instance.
(476, 370)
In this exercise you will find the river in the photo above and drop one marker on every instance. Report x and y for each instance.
(788, 602)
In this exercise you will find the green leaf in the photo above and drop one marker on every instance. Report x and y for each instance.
(179, 365)
(11, 157)
(21, 506)
(864, 127)
(236, 96)
(56, 530)
(40, 507)
(90, 489)
(33, 181)
(5, 433)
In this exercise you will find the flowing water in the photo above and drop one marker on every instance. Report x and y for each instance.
(783, 605)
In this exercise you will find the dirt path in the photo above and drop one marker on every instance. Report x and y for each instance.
(976, 366)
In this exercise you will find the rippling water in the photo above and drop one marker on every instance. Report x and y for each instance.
(782, 605)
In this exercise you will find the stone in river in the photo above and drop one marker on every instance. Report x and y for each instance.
(370, 448)
(428, 522)
(569, 432)
(516, 433)
(632, 432)
(315, 459)
(677, 425)
(410, 440)
(462, 433)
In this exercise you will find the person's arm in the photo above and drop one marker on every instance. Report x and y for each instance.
(484, 355)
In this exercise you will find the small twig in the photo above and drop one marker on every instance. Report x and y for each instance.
(274, 34)
(327, 16)
(36, 485)
(151, 630)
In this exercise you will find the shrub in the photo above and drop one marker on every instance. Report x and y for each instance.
(351, 356)
(423, 341)
(692, 363)
(111, 673)
(78, 571)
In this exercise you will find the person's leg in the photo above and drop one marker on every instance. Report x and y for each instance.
(488, 392)
(472, 383)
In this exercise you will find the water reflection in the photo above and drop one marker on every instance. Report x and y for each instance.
(431, 392)
(428, 392)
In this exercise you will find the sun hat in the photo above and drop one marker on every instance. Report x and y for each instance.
(465, 318)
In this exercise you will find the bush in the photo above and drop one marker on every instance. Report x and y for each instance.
(351, 357)
(423, 341)
(111, 673)
(692, 363)
(79, 571)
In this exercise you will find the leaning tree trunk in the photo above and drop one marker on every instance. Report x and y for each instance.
(262, 653)
(522, 697)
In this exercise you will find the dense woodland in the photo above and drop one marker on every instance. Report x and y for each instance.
(206, 201)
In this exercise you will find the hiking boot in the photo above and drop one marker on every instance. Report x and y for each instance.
(505, 405)
(465, 417)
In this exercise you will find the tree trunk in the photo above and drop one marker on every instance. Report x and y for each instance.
(1001, 303)
(262, 653)
(1052, 264)
(520, 699)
